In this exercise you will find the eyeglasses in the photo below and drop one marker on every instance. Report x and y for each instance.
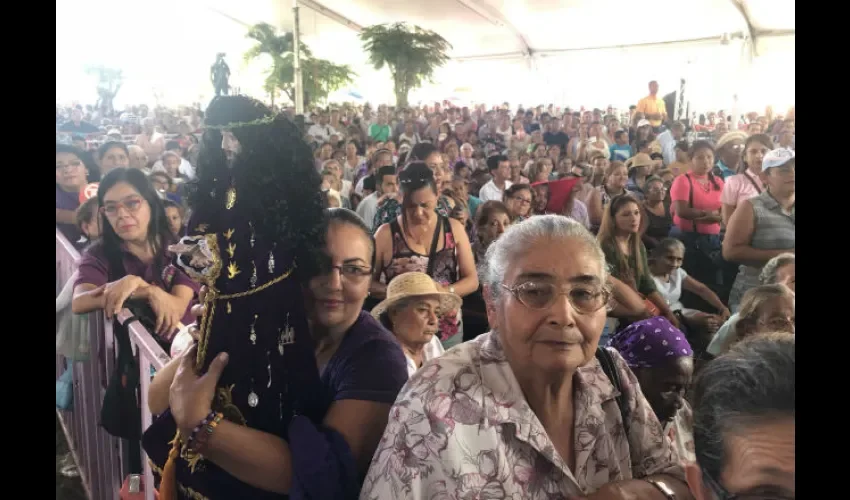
(132, 205)
(724, 494)
(350, 272)
(536, 295)
(522, 201)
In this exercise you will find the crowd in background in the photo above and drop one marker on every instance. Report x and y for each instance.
(672, 243)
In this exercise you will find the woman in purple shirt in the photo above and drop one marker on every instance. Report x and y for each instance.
(362, 370)
(131, 259)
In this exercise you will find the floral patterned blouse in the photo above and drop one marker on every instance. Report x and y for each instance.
(461, 428)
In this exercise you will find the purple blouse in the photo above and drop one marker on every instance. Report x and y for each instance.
(368, 365)
(94, 270)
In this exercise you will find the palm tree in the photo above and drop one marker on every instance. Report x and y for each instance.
(411, 53)
(319, 77)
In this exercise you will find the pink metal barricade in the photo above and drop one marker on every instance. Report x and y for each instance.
(98, 455)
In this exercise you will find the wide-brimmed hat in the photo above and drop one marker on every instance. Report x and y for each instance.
(416, 285)
(639, 160)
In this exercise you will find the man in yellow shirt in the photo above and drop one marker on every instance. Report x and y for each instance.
(653, 106)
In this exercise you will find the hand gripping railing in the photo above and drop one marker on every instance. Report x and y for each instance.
(100, 456)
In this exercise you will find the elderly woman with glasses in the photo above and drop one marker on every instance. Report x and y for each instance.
(518, 198)
(530, 409)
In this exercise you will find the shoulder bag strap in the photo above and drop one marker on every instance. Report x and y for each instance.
(610, 369)
(754, 183)
(433, 252)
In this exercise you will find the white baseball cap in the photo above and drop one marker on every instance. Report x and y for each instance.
(777, 158)
(642, 123)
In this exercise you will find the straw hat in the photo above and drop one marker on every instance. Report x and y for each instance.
(639, 160)
(418, 285)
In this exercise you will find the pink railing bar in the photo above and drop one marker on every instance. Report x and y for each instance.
(150, 355)
(98, 455)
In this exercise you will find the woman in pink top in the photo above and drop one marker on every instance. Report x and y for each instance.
(748, 183)
(696, 215)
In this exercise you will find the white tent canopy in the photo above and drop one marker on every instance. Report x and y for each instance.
(569, 52)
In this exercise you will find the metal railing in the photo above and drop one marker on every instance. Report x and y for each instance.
(100, 456)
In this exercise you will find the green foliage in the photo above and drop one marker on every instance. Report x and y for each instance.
(411, 53)
(319, 77)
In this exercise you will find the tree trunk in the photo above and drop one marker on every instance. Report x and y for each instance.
(400, 97)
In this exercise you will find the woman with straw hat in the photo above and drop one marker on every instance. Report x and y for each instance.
(411, 311)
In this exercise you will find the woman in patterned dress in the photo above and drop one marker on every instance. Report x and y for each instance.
(487, 418)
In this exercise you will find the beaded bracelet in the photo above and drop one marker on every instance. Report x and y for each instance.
(204, 436)
(191, 447)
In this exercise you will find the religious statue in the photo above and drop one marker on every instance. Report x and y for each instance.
(256, 234)
(219, 75)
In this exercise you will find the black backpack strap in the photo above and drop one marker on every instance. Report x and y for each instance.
(610, 369)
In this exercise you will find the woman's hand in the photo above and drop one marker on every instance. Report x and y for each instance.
(117, 292)
(169, 312)
(724, 314)
(190, 396)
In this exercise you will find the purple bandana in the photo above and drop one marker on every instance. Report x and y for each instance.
(651, 342)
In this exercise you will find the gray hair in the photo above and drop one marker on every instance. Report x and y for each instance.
(769, 271)
(751, 384)
(519, 237)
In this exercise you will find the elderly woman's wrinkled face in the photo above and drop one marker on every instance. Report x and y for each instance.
(336, 297)
(552, 338)
(664, 386)
(70, 172)
(777, 315)
(416, 322)
(230, 145)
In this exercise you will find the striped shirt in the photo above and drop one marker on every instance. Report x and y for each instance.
(773, 229)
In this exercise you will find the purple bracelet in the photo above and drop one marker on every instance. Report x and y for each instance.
(198, 428)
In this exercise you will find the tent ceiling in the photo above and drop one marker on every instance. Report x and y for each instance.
(513, 28)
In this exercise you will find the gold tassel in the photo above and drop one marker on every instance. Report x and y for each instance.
(168, 482)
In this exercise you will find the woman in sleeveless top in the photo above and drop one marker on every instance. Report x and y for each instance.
(422, 240)
(762, 227)
(658, 220)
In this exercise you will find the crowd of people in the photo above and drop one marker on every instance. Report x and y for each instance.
(532, 303)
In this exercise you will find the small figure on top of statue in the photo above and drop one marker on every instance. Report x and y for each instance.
(219, 75)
